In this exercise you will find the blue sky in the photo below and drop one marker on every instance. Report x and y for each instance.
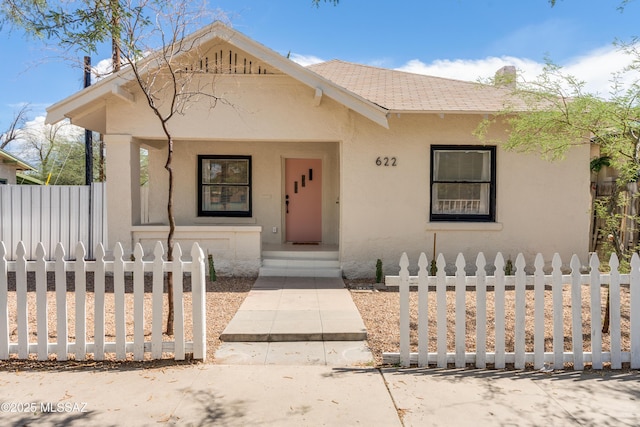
(464, 39)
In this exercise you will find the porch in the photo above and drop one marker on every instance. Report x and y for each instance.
(239, 251)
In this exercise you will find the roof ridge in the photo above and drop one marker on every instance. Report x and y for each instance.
(394, 70)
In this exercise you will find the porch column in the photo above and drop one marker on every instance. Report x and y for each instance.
(123, 188)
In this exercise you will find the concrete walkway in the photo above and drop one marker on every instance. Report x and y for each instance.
(311, 395)
(311, 383)
(296, 309)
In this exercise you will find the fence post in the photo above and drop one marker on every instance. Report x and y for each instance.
(596, 310)
(81, 301)
(423, 311)
(558, 313)
(99, 279)
(441, 298)
(538, 313)
(138, 303)
(178, 302)
(461, 312)
(61, 303)
(21, 300)
(41, 303)
(4, 308)
(199, 294)
(634, 311)
(118, 298)
(404, 311)
(481, 312)
(576, 308)
(614, 314)
(499, 362)
(521, 304)
(157, 297)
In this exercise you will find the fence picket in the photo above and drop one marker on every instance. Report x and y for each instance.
(499, 361)
(634, 309)
(538, 333)
(614, 302)
(520, 313)
(596, 309)
(178, 302)
(441, 301)
(481, 312)
(156, 306)
(199, 296)
(61, 303)
(138, 303)
(41, 304)
(4, 304)
(81, 301)
(100, 268)
(21, 300)
(423, 311)
(118, 290)
(558, 314)
(576, 314)
(99, 290)
(461, 319)
(404, 310)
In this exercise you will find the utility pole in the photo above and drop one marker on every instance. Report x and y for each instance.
(88, 135)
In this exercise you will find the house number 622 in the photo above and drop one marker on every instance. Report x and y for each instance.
(386, 161)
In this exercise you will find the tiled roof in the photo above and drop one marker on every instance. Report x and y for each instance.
(402, 91)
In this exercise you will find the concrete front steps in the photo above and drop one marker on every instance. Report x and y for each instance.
(300, 263)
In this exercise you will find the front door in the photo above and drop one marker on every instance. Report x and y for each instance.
(303, 198)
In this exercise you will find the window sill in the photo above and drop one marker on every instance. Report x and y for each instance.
(464, 226)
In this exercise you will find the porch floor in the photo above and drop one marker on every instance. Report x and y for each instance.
(296, 309)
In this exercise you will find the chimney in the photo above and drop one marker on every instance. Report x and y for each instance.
(506, 76)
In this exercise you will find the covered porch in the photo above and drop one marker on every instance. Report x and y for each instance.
(239, 250)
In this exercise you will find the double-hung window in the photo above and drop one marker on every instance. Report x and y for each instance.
(463, 183)
(224, 184)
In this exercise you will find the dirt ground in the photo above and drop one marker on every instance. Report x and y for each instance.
(379, 310)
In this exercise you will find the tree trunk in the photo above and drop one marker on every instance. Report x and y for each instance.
(172, 226)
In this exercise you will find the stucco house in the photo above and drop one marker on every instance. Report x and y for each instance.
(337, 163)
(11, 168)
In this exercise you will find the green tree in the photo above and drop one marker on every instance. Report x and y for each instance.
(57, 151)
(556, 113)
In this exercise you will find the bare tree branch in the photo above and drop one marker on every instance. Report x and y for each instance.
(15, 127)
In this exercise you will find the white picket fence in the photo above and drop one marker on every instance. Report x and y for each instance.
(521, 282)
(52, 214)
(101, 268)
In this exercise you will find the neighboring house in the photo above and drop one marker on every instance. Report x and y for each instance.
(11, 168)
(369, 161)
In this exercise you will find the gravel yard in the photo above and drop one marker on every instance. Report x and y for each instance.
(379, 310)
(223, 299)
(380, 313)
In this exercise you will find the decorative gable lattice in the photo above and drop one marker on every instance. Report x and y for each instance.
(228, 61)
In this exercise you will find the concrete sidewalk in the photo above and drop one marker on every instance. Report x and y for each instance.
(296, 309)
(312, 395)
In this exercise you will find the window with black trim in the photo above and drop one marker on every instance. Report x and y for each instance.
(224, 184)
(463, 183)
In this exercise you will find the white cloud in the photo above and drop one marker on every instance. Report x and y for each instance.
(305, 60)
(102, 69)
(470, 69)
(595, 68)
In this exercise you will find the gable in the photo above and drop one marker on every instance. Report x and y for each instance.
(215, 49)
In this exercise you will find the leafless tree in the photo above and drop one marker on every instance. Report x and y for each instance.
(168, 81)
(14, 130)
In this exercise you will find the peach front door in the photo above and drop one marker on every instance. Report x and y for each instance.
(303, 198)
